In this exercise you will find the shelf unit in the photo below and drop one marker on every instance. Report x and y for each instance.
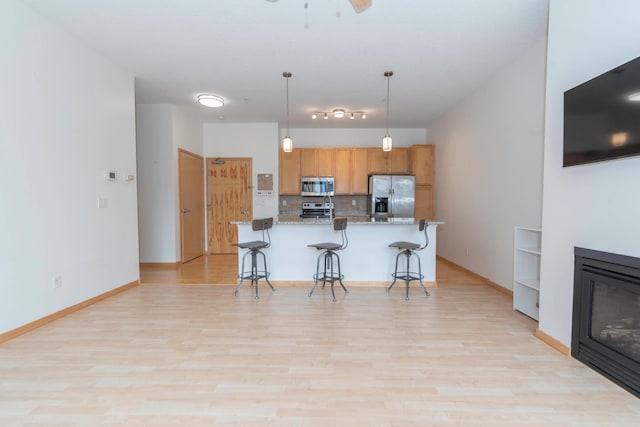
(526, 270)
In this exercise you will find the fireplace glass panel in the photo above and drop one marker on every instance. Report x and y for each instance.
(615, 319)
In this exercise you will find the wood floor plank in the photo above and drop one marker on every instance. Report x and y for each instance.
(181, 355)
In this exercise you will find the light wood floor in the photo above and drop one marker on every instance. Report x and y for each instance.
(180, 355)
(223, 269)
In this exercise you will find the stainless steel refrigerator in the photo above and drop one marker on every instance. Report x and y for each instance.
(392, 196)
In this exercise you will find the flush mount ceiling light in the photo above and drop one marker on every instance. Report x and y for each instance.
(212, 101)
(387, 142)
(287, 141)
(339, 113)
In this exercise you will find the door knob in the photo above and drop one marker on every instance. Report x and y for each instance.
(185, 210)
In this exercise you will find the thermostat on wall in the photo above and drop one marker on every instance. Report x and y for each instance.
(111, 176)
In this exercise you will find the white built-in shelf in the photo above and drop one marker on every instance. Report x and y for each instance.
(526, 271)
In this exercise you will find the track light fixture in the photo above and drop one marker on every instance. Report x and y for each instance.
(339, 113)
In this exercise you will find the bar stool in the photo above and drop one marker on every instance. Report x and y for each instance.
(409, 249)
(254, 248)
(329, 253)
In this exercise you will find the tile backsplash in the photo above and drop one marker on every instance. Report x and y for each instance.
(344, 205)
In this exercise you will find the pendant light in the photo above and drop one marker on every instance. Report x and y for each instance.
(387, 142)
(287, 142)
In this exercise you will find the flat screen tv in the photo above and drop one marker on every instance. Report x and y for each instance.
(602, 117)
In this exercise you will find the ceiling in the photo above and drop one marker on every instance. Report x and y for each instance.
(439, 51)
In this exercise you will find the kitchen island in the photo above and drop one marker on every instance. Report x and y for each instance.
(367, 260)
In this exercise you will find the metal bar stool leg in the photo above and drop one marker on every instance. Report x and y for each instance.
(395, 274)
(315, 283)
(420, 276)
(340, 274)
(254, 271)
(407, 278)
(333, 294)
(266, 272)
(241, 274)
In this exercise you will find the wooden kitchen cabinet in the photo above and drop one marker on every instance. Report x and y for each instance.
(317, 162)
(398, 160)
(422, 163)
(359, 175)
(289, 172)
(394, 161)
(343, 170)
(424, 202)
(376, 160)
(350, 171)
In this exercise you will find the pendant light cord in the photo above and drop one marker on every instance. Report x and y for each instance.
(388, 75)
(287, 75)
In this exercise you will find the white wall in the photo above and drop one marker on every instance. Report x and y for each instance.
(66, 117)
(369, 137)
(489, 167)
(156, 183)
(594, 206)
(161, 129)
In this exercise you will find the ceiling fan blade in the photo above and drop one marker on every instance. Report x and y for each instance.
(360, 5)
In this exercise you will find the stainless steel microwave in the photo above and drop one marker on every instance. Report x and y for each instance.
(317, 186)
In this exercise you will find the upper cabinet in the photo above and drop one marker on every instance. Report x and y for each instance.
(351, 167)
(422, 163)
(394, 161)
(290, 172)
(359, 178)
(422, 166)
(317, 162)
(350, 171)
(343, 170)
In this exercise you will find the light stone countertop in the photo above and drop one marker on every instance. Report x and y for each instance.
(290, 220)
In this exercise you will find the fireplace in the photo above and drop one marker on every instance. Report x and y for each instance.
(606, 315)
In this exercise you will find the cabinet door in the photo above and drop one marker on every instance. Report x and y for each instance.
(398, 160)
(325, 159)
(424, 202)
(359, 174)
(308, 162)
(290, 172)
(343, 170)
(422, 161)
(376, 161)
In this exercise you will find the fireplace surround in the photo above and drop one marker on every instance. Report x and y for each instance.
(606, 315)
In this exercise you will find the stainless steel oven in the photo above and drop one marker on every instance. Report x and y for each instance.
(317, 210)
(317, 186)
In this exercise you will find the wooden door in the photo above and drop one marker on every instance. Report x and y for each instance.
(229, 196)
(342, 173)
(290, 172)
(191, 184)
(359, 176)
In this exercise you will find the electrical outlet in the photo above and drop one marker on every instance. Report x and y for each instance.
(102, 203)
(284, 203)
(56, 282)
(353, 202)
